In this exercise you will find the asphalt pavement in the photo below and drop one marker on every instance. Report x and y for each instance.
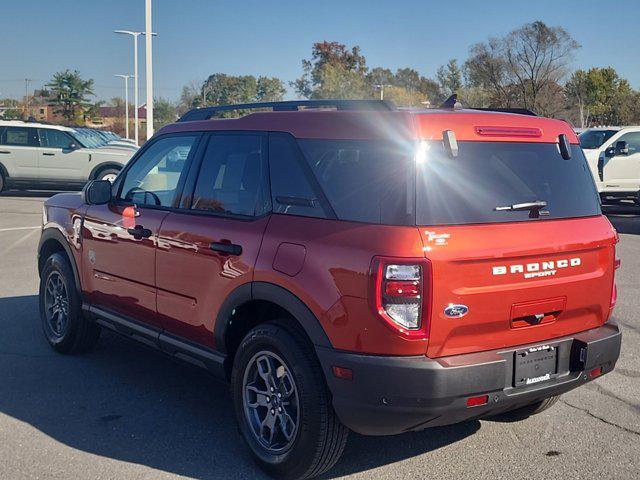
(127, 412)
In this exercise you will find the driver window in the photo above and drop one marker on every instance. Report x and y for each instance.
(153, 178)
(50, 138)
(633, 142)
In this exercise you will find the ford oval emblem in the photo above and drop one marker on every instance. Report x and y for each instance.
(456, 311)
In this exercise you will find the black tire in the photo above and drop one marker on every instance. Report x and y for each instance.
(106, 172)
(74, 334)
(2, 182)
(319, 438)
(528, 410)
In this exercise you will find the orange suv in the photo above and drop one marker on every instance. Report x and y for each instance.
(347, 265)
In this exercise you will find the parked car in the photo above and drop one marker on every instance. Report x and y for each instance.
(52, 156)
(613, 154)
(362, 268)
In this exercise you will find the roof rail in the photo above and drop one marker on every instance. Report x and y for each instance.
(207, 113)
(453, 104)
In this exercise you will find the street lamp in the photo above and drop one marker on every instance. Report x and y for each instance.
(149, 71)
(381, 86)
(126, 102)
(135, 36)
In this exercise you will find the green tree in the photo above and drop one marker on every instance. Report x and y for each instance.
(450, 78)
(602, 97)
(222, 89)
(164, 112)
(68, 92)
(333, 71)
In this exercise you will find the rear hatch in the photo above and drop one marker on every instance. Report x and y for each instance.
(519, 274)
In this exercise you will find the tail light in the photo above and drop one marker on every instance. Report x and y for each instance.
(401, 291)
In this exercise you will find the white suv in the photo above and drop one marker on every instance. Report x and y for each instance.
(52, 156)
(613, 154)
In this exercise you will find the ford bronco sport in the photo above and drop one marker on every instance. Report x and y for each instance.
(347, 266)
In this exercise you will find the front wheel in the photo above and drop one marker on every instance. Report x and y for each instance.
(283, 405)
(109, 174)
(64, 326)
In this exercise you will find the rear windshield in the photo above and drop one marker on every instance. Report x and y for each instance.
(388, 183)
(592, 139)
(487, 180)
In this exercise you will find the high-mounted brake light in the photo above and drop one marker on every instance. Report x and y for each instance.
(527, 132)
(400, 294)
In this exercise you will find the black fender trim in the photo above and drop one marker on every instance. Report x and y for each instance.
(277, 295)
(4, 171)
(102, 166)
(55, 234)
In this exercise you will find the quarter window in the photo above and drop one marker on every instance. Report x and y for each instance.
(154, 177)
(231, 176)
(291, 192)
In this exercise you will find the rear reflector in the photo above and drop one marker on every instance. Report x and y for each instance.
(342, 372)
(477, 401)
(596, 372)
(526, 132)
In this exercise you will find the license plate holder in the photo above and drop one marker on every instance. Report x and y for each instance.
(535, 365)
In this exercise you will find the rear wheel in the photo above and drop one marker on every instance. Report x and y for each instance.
(283, 405)
(64, 326)
(2, 182)
(528, 410)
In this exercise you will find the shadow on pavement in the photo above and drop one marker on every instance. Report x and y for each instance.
(132, 404)
(29, 193)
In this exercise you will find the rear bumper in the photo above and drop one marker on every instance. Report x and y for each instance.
(390, 395)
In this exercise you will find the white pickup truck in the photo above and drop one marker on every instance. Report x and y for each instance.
(613, 154)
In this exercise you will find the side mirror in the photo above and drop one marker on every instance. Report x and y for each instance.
(97, 192)
(610, 152)
(622, 148)
(72, 146)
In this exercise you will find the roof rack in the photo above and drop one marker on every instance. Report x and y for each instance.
(453, 104)
(207, 113)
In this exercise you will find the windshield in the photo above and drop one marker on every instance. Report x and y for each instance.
(490, 181)
(592, 139)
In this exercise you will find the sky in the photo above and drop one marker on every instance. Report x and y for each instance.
(197, 38)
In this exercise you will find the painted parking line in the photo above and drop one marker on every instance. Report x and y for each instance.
(18, 228)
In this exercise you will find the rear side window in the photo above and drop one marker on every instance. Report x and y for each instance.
(488, 175)
(19, 137)
(365, 180)
(231, 176)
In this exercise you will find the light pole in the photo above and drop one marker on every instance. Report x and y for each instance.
(381, 86)
(135, 78)
(126, 102)
(149, 72)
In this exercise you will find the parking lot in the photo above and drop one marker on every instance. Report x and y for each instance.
(126, 412)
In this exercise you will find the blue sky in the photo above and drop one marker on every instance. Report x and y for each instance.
(270, 37)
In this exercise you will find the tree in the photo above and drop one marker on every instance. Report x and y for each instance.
(190, 96)
(602, 97)
(222, 89)
(164, 112)
(69, 92)
(450, 78)
(525, 68)
(380, 76)
(333, 71)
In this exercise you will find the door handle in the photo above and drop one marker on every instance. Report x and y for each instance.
(49, 154)
(226, 248)
(139, 232)
(5, 152)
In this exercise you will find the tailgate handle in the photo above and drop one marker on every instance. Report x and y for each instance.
(540, 312)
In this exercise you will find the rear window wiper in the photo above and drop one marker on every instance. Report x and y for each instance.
(517, 207)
